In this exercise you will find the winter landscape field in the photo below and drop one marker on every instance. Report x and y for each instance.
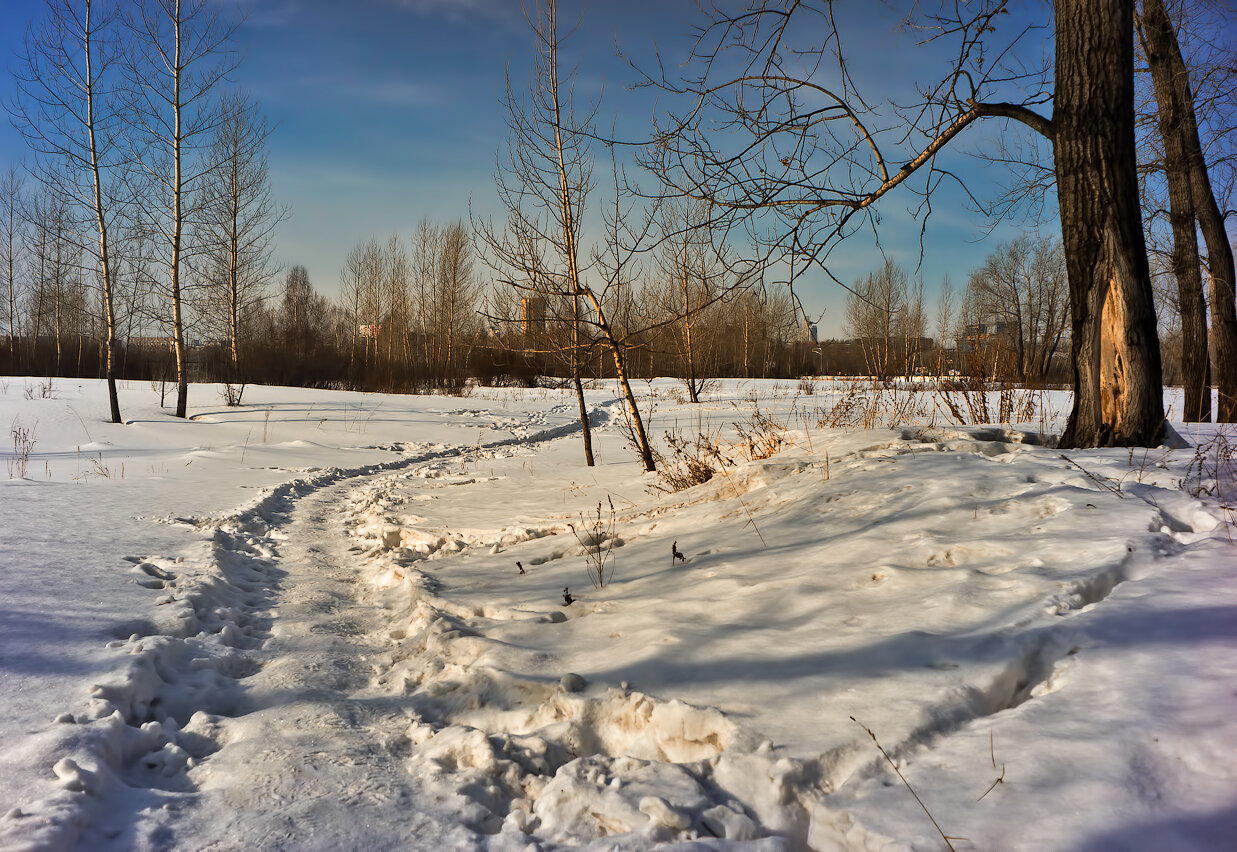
(332, 620)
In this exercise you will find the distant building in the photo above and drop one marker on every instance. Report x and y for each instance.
(532, 315)
(986, 336)
(151, 343)
(371, 331)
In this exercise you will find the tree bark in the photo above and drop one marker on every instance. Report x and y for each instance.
(1168, 69)
(178, 189)
(1173, 99)
(620, 370)
(1118, 396)
(586, 429)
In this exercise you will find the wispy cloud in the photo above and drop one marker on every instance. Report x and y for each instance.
(457, 10)
(267, 13)
(355, 87)
(396, 93)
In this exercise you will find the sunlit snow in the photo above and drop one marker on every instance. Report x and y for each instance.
(329, 620)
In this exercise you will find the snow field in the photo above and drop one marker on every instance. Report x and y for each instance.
(353, 657)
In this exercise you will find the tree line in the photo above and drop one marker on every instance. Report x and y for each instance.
(151, 208)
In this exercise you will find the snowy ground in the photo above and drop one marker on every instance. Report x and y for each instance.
(328, 620)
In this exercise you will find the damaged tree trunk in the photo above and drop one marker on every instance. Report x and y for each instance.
(1118, 399)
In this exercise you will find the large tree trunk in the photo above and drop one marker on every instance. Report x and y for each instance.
(1223, 279)
(1173, 99)
(1169, 69)
(1118, 392)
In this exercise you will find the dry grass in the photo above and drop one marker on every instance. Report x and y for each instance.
(596, 535)
(232, 393)
(874, 405)
(688, 461)
(693, 459)
(761, 437)
(23, 444)
(1213, 472)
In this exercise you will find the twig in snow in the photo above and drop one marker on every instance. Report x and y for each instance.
(1091, 476)
(992, 755)
(889, 760)
(1000, 780)
(750, 519)
(675, 555)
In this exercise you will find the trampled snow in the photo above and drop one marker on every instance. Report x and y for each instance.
(327, 620)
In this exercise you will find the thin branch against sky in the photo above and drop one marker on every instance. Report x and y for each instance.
(388, 111)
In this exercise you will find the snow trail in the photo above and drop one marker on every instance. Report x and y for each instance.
(164, 712)
(310, 755)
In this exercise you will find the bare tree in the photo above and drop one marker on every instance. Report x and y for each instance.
(543, 181)
(302, 314)
(237, 217)
(68, 113)
(456, 296)
(944, 319)
(1021, 287)
(396, 280)
(876, 308)
(361, 296)
(773, 143)
(1190, 83)
(180, 58)
(12, 250)
(58, 294)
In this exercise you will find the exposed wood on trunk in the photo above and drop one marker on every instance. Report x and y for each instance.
(1118, 396)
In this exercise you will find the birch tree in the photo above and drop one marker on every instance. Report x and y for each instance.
(181, 56)
(68, 112)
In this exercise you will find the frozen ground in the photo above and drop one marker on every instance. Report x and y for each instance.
(329, 620)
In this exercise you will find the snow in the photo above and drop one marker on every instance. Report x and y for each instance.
(330, 620)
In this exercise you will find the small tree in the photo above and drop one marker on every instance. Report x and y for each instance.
(237, 218)
(544, 181)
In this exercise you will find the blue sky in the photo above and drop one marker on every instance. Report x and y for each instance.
(387, 111)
